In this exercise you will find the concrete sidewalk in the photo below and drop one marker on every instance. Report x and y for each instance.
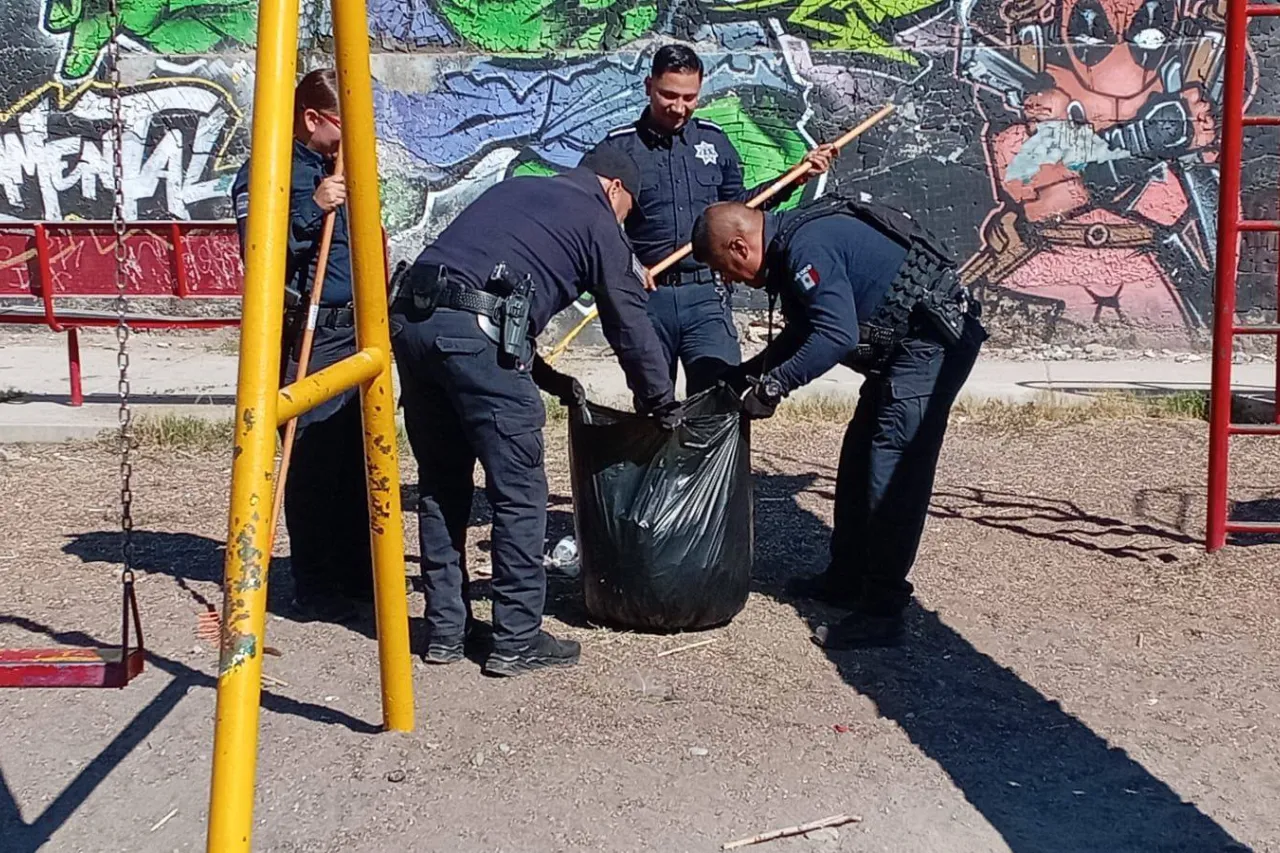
(195, 374)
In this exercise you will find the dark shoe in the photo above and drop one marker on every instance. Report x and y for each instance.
(479, 638)
(334, 609)
(544, 651)
(443, 651)
(822, 587)
(861, 632)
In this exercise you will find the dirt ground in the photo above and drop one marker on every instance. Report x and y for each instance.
(1079, 677)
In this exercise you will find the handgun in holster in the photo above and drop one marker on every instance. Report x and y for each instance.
(515, 345)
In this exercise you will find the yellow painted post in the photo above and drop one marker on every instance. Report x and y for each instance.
(249, 535)
(359, 147)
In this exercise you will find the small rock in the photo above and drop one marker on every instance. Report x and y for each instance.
(1241, 358)
(1183, 358)
(1094, 349)
(477, 760)
(396, 776)
(698, 751)
(9, 455)
(1166, 352)
(827, 834)
(1195, 356)
(1150, 353)
(504, 749)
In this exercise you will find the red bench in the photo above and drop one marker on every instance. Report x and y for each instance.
(48, 261)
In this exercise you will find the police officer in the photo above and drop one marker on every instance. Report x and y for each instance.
(685, 164)
(325, 505)
(464, 319)
(866, 287)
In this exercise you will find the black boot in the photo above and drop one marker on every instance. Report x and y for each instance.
(543, 651)
(824, 587)
(478, 637)
(860, 631)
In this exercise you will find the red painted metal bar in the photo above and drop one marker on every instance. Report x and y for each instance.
(1262, 10)
(46, 276)
(1257, 329)
(1224, 303)
(179, 261)
(73, 365)
(1262, 121)
(1255, 225)
(1254, 429)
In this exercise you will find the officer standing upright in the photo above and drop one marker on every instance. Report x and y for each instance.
(867, 287)
(685, 164)
(463, 320)
(325, 500)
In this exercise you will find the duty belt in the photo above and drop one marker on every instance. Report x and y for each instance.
(675, 278)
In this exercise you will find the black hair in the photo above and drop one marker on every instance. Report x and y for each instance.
(318, 91)
(677, 58)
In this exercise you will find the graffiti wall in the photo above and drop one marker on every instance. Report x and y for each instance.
(1064, 149)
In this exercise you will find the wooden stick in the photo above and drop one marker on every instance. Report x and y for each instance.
(776, 187)
(679, 649)
(162, 821)
(304, 354)
(834, 820)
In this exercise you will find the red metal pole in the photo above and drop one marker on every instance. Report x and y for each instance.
(1224, 303)
(73, 359)
(179, 261)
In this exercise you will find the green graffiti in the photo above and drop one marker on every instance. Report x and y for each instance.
(539, 26)
(163, 26)
(766, 145)
(841, 24)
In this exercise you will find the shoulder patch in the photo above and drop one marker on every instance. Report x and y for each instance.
(621, 131)
(242, 204)
(709, 125)
(807, 278)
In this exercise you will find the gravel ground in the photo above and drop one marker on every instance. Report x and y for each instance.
(1080, 677)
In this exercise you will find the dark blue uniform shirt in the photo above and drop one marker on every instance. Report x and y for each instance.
(681, 174)
(833, 271)
(562, 232)
(306, 222)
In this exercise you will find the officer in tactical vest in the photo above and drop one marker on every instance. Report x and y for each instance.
(463, 322)
(866, 287)
(686, 163)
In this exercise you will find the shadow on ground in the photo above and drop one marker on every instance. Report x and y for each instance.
(1038, 775)
(18, 836)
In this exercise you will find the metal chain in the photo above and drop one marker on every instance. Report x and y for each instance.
(122, 305)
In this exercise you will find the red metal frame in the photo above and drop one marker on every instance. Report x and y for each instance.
(1230, 227)
(41, 285)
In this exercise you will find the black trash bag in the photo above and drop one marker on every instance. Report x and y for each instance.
(663, 519)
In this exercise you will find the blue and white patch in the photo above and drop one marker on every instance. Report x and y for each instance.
(706, 152)
(807, 278)
(242, 205)
(638, 269)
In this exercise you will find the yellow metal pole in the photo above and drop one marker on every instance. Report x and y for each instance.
(323, 385)
(249, 534)
(359, 146)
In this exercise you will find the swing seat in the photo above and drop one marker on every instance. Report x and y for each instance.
(69, 667)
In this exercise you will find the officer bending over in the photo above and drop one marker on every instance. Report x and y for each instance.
(325, 502)
(865, 287)
(464, 319)
(686, 163)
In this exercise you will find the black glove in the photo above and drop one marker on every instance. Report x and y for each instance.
(763, 399)
(1163, 130)
(562, 386)
(670, 416)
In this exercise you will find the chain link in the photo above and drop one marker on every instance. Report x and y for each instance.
(122, 304)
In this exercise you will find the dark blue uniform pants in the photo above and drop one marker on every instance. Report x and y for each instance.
(326, 508)
(460, 406)
(695, 326)
(887, 466)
